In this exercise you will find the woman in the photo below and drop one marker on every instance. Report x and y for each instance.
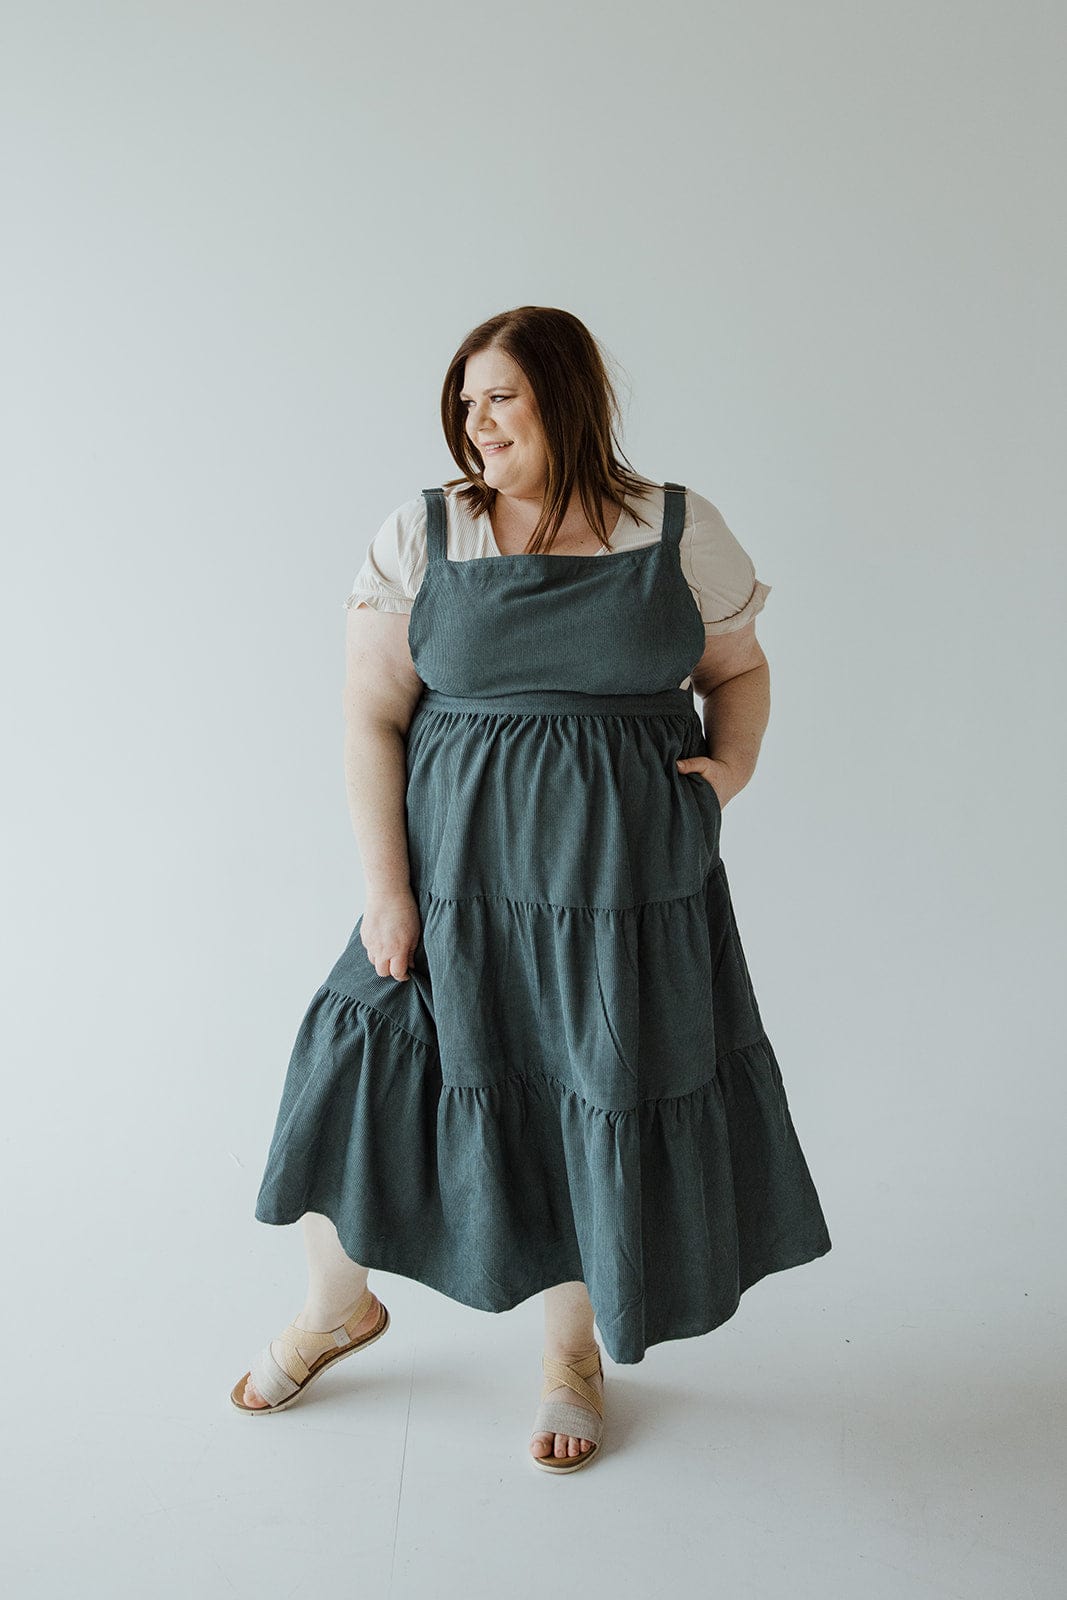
(539, 1065)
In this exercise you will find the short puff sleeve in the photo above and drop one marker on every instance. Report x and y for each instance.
(718, 570)
(385, 580)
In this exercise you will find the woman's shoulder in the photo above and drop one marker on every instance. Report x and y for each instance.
(706, 527)
(413, 513)
(410, 513)
(649, 500)
(407, 529)
(700, 509)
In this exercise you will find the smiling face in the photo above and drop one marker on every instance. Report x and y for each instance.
(501, 410)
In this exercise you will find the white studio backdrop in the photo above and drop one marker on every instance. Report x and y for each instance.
(824, 247)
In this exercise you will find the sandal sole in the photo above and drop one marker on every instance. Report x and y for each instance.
(566, 1463)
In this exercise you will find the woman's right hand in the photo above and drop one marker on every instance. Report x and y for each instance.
(390, 930)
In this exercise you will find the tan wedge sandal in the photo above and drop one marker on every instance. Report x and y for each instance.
(558, 1416)
(304, 1354)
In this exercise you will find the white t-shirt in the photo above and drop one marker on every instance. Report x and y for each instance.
(716, 567)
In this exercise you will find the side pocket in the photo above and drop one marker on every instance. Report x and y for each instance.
(709, 814)
(709, 789)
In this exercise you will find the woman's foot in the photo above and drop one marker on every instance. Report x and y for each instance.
(251, 1395)
(563, 1444)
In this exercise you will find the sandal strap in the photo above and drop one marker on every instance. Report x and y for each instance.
(557, 1416)
(558, 1373)
(271, 1380)
(299, 1348)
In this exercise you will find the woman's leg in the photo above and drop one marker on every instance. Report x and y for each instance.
(335, 1283)
(569, 1335)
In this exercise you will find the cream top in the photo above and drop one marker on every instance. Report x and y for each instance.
(716, 567)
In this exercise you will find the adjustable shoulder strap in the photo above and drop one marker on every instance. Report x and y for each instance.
(673, 512)
(436, 525)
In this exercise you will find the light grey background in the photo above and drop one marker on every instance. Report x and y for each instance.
(824, 245)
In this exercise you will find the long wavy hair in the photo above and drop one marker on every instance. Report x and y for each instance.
(578, 411)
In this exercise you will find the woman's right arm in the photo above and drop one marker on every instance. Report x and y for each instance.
(381, 691)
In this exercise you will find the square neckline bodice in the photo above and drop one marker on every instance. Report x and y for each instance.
(495, 552)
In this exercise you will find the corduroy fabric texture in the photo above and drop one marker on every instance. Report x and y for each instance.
(574, 1082)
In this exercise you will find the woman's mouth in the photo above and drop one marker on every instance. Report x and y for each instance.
(491, 449)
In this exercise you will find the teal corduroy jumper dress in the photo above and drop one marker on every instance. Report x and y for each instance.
(574, 1082)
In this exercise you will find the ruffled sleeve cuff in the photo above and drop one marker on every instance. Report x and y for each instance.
(738, 619)
(378, 596)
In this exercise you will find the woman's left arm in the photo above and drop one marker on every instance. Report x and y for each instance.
(733, 680)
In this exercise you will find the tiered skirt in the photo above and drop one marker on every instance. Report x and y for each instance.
(574, 1082)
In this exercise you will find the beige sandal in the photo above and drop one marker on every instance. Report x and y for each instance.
(558, 1416)
(304, 1354)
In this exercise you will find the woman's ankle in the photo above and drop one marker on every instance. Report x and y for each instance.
(558, 1350)
(323, 1313)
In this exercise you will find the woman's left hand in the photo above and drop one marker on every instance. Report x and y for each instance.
(717, 773)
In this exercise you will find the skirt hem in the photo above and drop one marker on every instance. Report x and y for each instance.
(401, 1266)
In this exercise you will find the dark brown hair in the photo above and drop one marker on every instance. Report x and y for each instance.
(578, 411)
